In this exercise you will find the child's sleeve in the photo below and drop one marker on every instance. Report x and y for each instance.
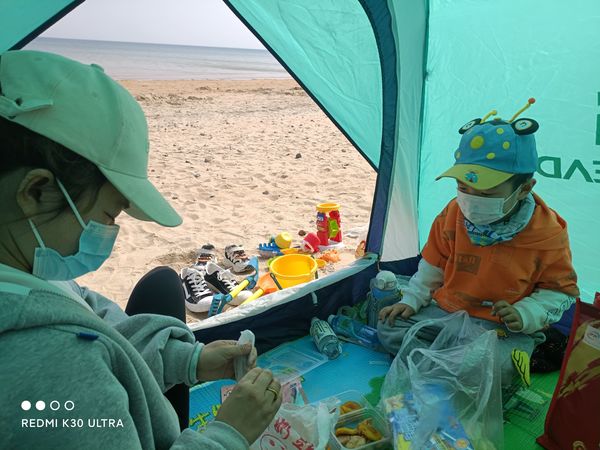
(555, 292)
(543, 307)
(422, 285)
(437, 249)
(559, 275)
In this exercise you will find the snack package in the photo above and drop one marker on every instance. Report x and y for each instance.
(295, 427)
(403, 414)
(573, 420)
(453, 385)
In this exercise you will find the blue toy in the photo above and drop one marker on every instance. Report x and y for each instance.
(220, 300)
(270, 249)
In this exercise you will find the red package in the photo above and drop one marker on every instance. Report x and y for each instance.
(573, 420)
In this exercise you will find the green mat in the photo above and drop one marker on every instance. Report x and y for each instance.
(525, 421)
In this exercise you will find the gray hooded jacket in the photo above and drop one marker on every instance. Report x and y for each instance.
(99, 373)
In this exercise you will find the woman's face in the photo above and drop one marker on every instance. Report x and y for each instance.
(62, 232)
(33, 195)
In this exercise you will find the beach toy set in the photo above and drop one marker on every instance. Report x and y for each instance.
(285, 271)
(288, 265)
(328, 235)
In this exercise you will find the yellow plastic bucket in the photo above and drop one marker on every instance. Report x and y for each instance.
(293, 269)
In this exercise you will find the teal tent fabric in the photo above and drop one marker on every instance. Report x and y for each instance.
(330, 48)
(23, 20)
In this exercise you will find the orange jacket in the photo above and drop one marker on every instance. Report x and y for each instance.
(538, 257)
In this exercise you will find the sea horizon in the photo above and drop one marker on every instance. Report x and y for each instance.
(151, 61)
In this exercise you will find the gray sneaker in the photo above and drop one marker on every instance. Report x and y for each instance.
(236, 259)
(206, 253)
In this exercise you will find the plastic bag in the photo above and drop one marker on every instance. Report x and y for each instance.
(241, 364)
(294, 427)
(573, 420)
(456, 376)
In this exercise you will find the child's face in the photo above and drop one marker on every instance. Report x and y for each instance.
(504, 190)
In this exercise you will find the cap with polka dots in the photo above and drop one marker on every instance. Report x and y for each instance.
(490, 152)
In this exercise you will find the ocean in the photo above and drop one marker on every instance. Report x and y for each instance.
(141, 61)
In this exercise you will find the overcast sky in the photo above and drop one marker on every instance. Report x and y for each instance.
(188, 22)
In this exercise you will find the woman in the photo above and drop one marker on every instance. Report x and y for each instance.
(76, 371)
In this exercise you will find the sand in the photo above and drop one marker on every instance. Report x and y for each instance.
(240, 161)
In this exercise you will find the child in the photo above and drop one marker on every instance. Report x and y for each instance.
(496, 251)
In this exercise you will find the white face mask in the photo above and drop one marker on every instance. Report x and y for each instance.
(483, 210)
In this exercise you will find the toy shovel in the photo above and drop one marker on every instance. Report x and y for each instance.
(220, 300)
(266, 285)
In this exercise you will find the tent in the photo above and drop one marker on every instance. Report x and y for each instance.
(399, 77)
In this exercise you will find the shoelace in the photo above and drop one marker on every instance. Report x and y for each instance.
(229, 283)
(199, 286)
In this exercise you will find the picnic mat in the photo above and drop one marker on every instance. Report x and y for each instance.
(357, 368)
(361, 369)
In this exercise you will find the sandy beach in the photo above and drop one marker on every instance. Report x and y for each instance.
(240, 161)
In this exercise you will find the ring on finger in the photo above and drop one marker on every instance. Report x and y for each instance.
(274, 391)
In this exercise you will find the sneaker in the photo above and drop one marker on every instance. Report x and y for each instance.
(206, 253)
(198, 296)
(235, 257)
(219, 279)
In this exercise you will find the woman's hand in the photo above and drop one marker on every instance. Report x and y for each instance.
(392, 311)
(216, 359)
(252, 404)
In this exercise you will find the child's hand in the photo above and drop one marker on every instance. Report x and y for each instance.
(508, 315)
(391, 312)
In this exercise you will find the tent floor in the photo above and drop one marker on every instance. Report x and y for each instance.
(363, 370)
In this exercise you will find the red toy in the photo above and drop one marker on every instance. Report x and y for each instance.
(329, 223)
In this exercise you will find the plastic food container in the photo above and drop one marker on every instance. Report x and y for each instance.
(352, 419)
(347, 396)
(288, 363)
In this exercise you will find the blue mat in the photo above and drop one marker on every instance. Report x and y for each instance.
(357, 368)
(363, 370)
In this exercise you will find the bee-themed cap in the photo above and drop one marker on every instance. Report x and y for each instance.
(492, 151)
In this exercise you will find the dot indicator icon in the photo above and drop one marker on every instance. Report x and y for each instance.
(40, 405)
(26, 405)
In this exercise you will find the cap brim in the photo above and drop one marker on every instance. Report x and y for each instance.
(476, 176)
(146, 203)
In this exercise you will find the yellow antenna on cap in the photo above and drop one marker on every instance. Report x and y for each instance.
(530, 102)
(493, 112)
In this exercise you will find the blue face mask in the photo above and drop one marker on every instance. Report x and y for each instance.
(95, 246)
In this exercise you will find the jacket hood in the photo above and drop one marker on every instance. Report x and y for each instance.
(545, 231)
(28, 302)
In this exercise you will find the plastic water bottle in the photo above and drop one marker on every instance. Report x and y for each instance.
(325, 339)
(384, 292)
(354, 330)
(384, 284)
